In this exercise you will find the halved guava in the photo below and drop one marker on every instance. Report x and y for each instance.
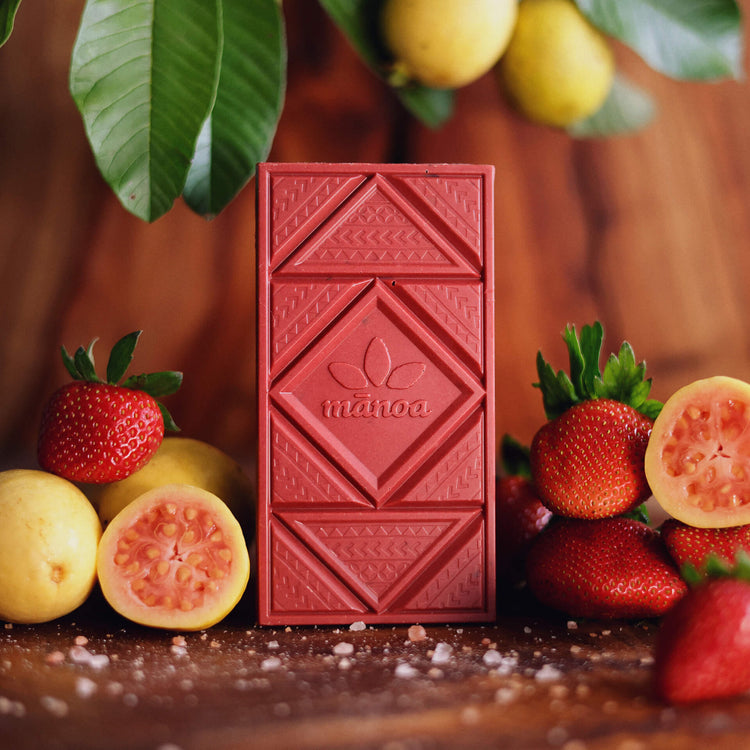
(698, 455)
(174, 558)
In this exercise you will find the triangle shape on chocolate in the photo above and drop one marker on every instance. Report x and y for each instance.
(456, 582)
(300, 584)
(382, 233)
(300, 310)
(453, 201)
(301, 476)
(300, 202)
(378, 554)
(457, 475)
(456, 308)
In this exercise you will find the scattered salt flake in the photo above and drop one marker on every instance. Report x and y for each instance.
(646, 660)
(435, 673)
(85, 687)
(271, 663)
(8, 626)
(80, 655)
(55, 657)
(492, 658)
(343, 649)
(179, 640)
(10, 707)
(417, 633)
(186, 685)
(547, 673)
(114, 688)
(405, 671)
(442, 653)
(572, 625)
(345, 663)
(505, 695)
(130, 699)
(526, 629)
(470, 716)
(80, 640)
(357, 626)
(56, 706)
(178, 650)
(272, 645)
(214, 644)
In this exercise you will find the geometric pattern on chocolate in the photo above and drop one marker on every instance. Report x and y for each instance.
(374, 447)
(299, 202)
(457, 201)
(457, 308)
(299, 583)
(458, 473)
(379, 556)
(300, 310)
(380, 232)
(301, 476)
(457, 585)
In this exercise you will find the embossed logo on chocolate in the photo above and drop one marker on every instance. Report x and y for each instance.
(378, 393)
(377, 374)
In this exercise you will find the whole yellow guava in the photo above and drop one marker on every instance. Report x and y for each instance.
(446, 43)
(49, 533)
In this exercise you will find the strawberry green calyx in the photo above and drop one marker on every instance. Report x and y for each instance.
(81, 366)
(622, 379)
(717, 567)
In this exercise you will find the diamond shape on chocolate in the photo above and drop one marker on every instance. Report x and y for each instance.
(379, 393)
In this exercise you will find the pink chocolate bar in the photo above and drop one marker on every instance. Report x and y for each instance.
(376, 388)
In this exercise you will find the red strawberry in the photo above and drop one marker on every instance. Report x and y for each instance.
(608, 568)
(94, 431)
(693, 546)
(702, 650)
(520, 517)
(587, 461)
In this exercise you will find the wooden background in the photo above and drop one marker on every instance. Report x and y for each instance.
(648, 233)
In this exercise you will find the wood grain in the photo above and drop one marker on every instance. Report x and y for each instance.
(648, 233)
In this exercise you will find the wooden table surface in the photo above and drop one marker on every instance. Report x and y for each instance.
(532, 680)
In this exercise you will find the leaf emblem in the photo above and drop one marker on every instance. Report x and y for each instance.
(377, 361)
(350, 376)
(405, 376)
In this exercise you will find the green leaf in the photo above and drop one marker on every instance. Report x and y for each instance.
(514, 457)
(626, 109)
(85, 364)
(169, 423)
(8, 10)
(359, 22)
(156, 384)
(70, 364)
(685, 39)
(240, 129)
(143, 75)
(558, 392)
(121, 356)
(639, 513)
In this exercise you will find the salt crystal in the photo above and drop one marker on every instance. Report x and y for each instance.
(572, 625)
(80, 640)
(470, 716)
(345, 663)
(11, 708)
(547, 673)
(272, 645)
(85, 687)
(405, 671)
(55, 657)
(79, 655)
(343, 649)
(505, 695)
(442, 653)
(178, 650)
(271, 663)
(55, 706)
(357, 626)
(417, 633)
(492, 658)
(179, 640)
